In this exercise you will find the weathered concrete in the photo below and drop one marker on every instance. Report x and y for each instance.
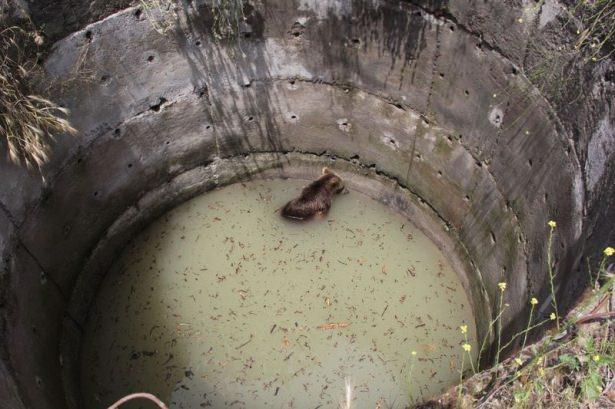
(427, 98)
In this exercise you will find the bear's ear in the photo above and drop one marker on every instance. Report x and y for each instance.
(326, 171)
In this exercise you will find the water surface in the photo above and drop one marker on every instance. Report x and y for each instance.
(221, 303)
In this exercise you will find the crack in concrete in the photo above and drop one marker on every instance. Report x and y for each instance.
(446, 16)
(9, 215)
(43, 270)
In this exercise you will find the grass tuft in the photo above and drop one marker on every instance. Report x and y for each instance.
(28, 123)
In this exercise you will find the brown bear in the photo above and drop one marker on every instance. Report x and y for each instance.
(315, 198)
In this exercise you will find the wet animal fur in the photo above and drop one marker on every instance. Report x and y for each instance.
(315, 198)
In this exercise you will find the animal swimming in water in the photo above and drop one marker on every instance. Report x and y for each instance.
(315, 198)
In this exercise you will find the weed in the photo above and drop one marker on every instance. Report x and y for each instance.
(228, 16)
(28, 123)
(162, 25)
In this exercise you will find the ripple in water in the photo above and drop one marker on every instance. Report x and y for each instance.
(221, 303)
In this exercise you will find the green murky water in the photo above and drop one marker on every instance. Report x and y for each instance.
(221, 303)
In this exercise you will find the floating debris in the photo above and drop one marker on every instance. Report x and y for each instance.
(222, 303)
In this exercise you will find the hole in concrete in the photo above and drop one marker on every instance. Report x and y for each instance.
(441, 75)
(202, 91)
(150, 58)
(492, 236)
(530, 162)
(297, 29)
(439, 173)
(197, 43)
(466, 92)
(88, 35)
(161, 102)
(208, 127)
(466, 198)
(250, 118)
(104, 78)
(129, 165)
(138, 14)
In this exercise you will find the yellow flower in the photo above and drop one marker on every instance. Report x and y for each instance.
(552, 316)
(467, 347)
(502, 286)
(464, 329)
(596, 358)
(609, 251)
(518, 361)
(541, 371)
(413, 353)
(552, 224)
(533, 301)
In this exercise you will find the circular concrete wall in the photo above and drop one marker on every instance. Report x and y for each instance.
(429, 100)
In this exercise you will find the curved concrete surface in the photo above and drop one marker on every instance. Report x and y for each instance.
(428, 100)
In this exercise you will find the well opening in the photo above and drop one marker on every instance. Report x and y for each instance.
(259, 311)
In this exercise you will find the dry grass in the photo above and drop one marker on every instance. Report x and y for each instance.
(28, 123)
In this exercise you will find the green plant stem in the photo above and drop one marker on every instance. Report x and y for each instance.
(484, 343)
(551, 278)
(600, 270)
(460, 381)
(499, 324)
(527, 329)
(522, 332)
